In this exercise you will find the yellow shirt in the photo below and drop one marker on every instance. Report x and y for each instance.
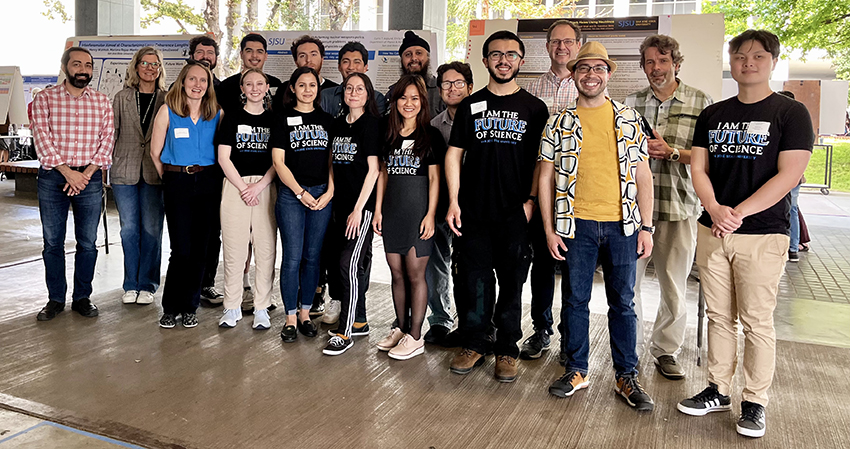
(597, 191)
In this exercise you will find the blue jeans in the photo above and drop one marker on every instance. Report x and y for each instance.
(603, 242)
(302, 233)
(53, 206)
(795, 221)
(141, 210)
(437, 276)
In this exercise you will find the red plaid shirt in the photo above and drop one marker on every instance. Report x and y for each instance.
(73, 131)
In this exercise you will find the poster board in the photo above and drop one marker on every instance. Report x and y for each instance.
(112, 55)
(12, 104)
(39, 81)
(384, 60)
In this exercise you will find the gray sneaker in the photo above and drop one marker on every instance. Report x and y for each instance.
(669, 367)
(752, 422)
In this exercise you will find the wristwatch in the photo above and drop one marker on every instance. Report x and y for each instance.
(674, 156)
(649, 229)
(300, 195)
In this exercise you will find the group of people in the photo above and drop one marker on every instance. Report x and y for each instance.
(483, 185)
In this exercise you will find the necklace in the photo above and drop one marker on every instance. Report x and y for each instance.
(494, 93)
(144, 118)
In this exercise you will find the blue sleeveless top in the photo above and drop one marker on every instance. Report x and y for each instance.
(188, 143)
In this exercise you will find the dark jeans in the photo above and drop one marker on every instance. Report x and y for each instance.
(483, 248)
(542, 276)
(349, 280)
(437, 276)
(53, 205)
(302, 234)
(191, 206)
(141, 210)
(603, 242)
(214, 242)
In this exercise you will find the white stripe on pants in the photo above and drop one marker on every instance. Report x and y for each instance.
(354, 282)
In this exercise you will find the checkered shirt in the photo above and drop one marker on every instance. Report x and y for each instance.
(556, 93)
(73, 131)
(675, 119)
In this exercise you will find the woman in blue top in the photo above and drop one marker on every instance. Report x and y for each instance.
(302, 158)
(183, 152)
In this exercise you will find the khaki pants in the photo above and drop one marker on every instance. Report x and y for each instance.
(241, 224)
(673, 257)
(740, 278)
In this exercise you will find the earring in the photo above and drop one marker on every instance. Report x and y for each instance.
(243, 98)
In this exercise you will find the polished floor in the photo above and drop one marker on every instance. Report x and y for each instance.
(121, 381)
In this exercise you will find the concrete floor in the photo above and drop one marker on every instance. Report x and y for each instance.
(813, 308)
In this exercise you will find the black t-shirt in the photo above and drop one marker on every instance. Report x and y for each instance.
(352, 145)
(306, 140)
(501, 137)
(402, 160)
(248, 137)
(744, 142)
(277, 98)
(229, 92)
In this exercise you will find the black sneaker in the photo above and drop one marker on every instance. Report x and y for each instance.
(631, 390)
(210, 297)
(167, 321)
(85, 308)
(49, 311)
(337, 345)
(190, 320)
(793, 256)
(534, 346)
(752, 422)
(355, 331)
(568, 384)
(436, 334)
(562, 358)
(707, 401)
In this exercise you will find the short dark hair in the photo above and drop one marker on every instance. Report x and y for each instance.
(202, 40)
(502, 35)
(253, 37)
(767, 40)
(289, 98)
(66, 56)
(561, 22)
(459, 67)
(665, 45)
(307, 39)
(351, 47)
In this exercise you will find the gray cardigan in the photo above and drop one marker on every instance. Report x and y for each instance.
(132, 154)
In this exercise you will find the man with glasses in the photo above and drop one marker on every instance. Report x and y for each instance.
(557, 89)
(596, 203)
(205, 49)
(490, 175)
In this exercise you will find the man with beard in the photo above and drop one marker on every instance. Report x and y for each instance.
(205, 49)
(74, 136)
(353, 58)
(415, 54)
(489, 171)
(596, 203)
(671, 108)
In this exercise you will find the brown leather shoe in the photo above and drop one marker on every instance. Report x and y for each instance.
(506, 368)
(465, 361)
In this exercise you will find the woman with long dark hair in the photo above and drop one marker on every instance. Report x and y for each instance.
(302, 160)
(183, 152)
(408, 190)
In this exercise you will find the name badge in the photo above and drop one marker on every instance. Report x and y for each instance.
(181, 133)
(244, 129)
(293, 121)
(759, 128)
(407, 144)
(478, 107)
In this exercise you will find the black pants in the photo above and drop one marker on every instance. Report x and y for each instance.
(348, 283)
(191, 208)
(214, 242)
(542, 276)
(502, 247)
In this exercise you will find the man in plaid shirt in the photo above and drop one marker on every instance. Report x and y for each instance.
(671, 108)
(74, 136)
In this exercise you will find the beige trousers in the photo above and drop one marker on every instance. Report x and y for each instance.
(241, 224)
(740, 278)
(672, 257)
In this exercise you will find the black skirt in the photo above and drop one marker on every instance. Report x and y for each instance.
(405, 206)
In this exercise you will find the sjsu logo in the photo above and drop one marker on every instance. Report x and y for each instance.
(274, 41)
(627, 23)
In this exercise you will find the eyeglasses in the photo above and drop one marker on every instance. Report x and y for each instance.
(352, 89)
(597, 69)
(446, 85)
(558, 42)
(511, 56)
(146, 64)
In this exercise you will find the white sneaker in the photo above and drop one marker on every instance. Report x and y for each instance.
(407, 348)
(391, 340)
(230, 318)
(144, 298)
(332, 311)
(129, 297)
(261, 320)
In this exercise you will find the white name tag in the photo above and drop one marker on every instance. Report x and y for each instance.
(181, 133)
(293, 121)
(407, 144)
(478, 107)
(244, 129)
(759, 128)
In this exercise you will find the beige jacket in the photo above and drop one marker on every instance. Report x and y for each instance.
(132, 154)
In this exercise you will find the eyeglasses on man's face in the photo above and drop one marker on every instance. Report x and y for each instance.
(446, 85)
(511, 56)
(597, 69)
(557, 42)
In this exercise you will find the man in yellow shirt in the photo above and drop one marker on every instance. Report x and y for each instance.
(595, 194)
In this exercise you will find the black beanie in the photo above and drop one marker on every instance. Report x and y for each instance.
(412, 40)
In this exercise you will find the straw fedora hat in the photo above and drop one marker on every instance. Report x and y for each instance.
(592, 50)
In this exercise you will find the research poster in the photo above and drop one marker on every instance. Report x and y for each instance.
(40, 81)
(12, 104)
(621, 36)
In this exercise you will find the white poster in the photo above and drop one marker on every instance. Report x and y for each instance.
(12, 105)
(39, 81)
